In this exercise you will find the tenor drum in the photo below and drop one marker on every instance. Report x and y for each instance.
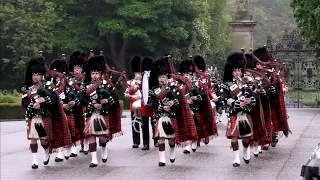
(145, 87)
(136, 106)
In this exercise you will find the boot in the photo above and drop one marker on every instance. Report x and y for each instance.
(94, 161)
(73, 151)
(172, 154)
(46, 157)
(236, 162)
(104, 154)
(187, 149)
(34, 161)
(67, 152)
(194, 146)
(162, 158)
(59, 156)
(255, 151)
(246, 154)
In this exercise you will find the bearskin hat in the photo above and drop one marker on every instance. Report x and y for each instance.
(146, 64)
(200, 63)
(76, 59)
(59, 66)
(234, 61)
(135, 64)
(36, 65)
(95, 63)
(250, 62)
(261, 53)
(186, 66)
(159, 67)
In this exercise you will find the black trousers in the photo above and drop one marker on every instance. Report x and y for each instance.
(145, 131)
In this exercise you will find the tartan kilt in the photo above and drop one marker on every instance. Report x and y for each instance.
(268, 120)
(79, 124)
(71, 124)
(174, 125)
(61, 132)
(259, 127)
(47, 124)
(87, 129)
(205, 128)
(232, 125)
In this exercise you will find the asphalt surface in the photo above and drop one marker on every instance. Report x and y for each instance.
(212, 162)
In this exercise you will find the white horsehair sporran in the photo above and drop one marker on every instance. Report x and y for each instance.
(161, 132)
(33, 133)
(97, 124)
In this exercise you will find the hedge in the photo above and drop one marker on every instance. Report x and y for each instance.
(16, 111)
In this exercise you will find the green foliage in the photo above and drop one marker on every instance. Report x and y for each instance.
(13, 98)
(11, 111)
(26, 27)
(307, 16)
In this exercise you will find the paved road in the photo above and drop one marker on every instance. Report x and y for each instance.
(213, 161)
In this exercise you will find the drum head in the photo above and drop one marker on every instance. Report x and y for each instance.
(145, 88)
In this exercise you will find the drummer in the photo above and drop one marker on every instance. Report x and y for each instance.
(133, 92)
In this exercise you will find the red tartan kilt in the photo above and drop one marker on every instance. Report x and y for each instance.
(61, 132)
(232, 125)
(47, 124)
(72, 124)
(204, 128)
(89, 133)
(147, 111)
(174, 125)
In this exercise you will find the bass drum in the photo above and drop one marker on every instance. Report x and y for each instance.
(145, 87)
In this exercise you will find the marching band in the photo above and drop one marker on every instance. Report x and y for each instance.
(74, 103)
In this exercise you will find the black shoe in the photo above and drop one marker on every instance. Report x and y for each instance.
(93, 165)
(58, 159)
(81, 150)
(156, 144)
(172, 160)
(162, 164)
(86, 152)
(145, 147)
(47, 161)
(66, 157)
(104, 160)
(186, 151)
(246, 161)
(194, 150)
(73, 155)
(256, 155)
(236, 165)
(135, 146)
(34, 166)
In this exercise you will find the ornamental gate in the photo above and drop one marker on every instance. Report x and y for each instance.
(303, 70)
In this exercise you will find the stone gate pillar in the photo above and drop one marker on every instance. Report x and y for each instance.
(242, 27)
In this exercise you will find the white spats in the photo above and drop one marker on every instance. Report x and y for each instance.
(73, 151)
(194, 146)
(246, 155)
(94, 159)
(162, 157)
(255, 151)
(67, 152)
(85, 145)
(60, 154)
(34, 159)
(187, 149)
(46, 156)
(236, 158)
(172, 154)
(104, 154)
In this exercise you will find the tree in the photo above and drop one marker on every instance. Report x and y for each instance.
(27, 27)
(307, 16)
(159, 27)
